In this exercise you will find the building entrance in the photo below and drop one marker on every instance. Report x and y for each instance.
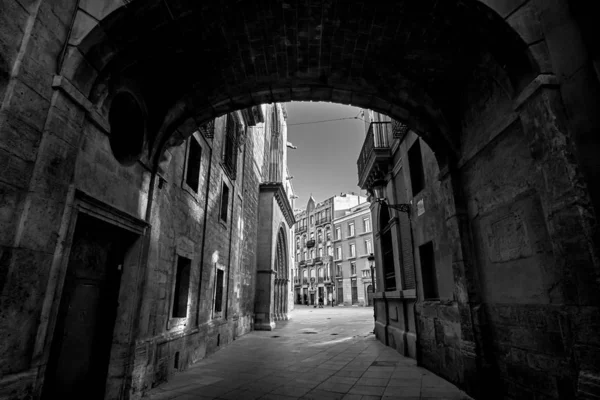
(80, 350)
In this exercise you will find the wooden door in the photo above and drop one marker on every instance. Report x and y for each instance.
(80, 351)
(340, 295)
(370, 295)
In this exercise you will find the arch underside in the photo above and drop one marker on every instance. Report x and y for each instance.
(409, 60)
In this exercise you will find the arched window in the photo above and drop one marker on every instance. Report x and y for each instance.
(320, 235)
(328, 233)
(304, 240)
(387, 248)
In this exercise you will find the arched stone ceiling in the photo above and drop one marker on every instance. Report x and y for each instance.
(409, 59)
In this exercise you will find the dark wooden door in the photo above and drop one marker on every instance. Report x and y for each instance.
(354, 295)
(370, 295)
(80, 351)
(340, 295)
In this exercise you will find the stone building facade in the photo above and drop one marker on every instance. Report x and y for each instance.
(314, 247)
(352, 244)
(148, 271)
(425, 303)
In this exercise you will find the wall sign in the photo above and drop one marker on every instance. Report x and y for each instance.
(420, 207)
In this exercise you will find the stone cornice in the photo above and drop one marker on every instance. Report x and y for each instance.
(282, 200)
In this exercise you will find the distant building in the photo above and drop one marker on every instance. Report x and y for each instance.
(352, 244)
(313, 277)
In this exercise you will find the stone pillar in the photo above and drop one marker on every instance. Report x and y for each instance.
(263, 310)
(572, 227)
(278, 299)
(476, 373)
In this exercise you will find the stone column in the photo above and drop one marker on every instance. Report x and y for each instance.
(476, 372)
(264, 316)
(572, 227)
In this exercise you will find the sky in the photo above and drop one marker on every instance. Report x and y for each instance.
(324, 163)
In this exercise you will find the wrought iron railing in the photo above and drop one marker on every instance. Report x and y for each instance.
(323, 221)
(377, 138)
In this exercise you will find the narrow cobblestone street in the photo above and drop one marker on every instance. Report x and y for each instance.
(327, 353)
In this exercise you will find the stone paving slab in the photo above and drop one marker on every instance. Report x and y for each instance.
(323, 353)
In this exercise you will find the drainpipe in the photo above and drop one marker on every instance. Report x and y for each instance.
(412, 244)
(61, 58)
(206, 193)
(231, 230)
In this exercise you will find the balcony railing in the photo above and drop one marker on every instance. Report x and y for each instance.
(322, 221)
(377, 147)
(300, 229)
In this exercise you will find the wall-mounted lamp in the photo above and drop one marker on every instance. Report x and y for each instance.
(291, 146)
(377, 189)
(371, 259)
(289, 177)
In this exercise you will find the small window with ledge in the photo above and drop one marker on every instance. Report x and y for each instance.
(218, 301)
(192, 165)
(223, 212)
(428, 272)
(415, 165)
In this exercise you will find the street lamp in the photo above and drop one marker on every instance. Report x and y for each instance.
(378, 190)
(371, 259)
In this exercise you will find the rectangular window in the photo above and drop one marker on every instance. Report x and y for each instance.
(338, 233)
(312, 220)
(224, 201)
(351, 229)
(389, 269)
(229, 150)
(368, 248)
(305, 255)
(312, 253)
(338, 253)
(415, 164)
(297, 256)
(182, 287)
(338, 270)
(219, 291)
(428, 273)
(367, 225)
(352, 250)
(192, 173)
(320, 252)
(329, 251)
(352, 268)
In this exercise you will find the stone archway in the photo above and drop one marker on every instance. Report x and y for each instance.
(424, 63)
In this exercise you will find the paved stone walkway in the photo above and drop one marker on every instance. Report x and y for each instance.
(321, 353)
